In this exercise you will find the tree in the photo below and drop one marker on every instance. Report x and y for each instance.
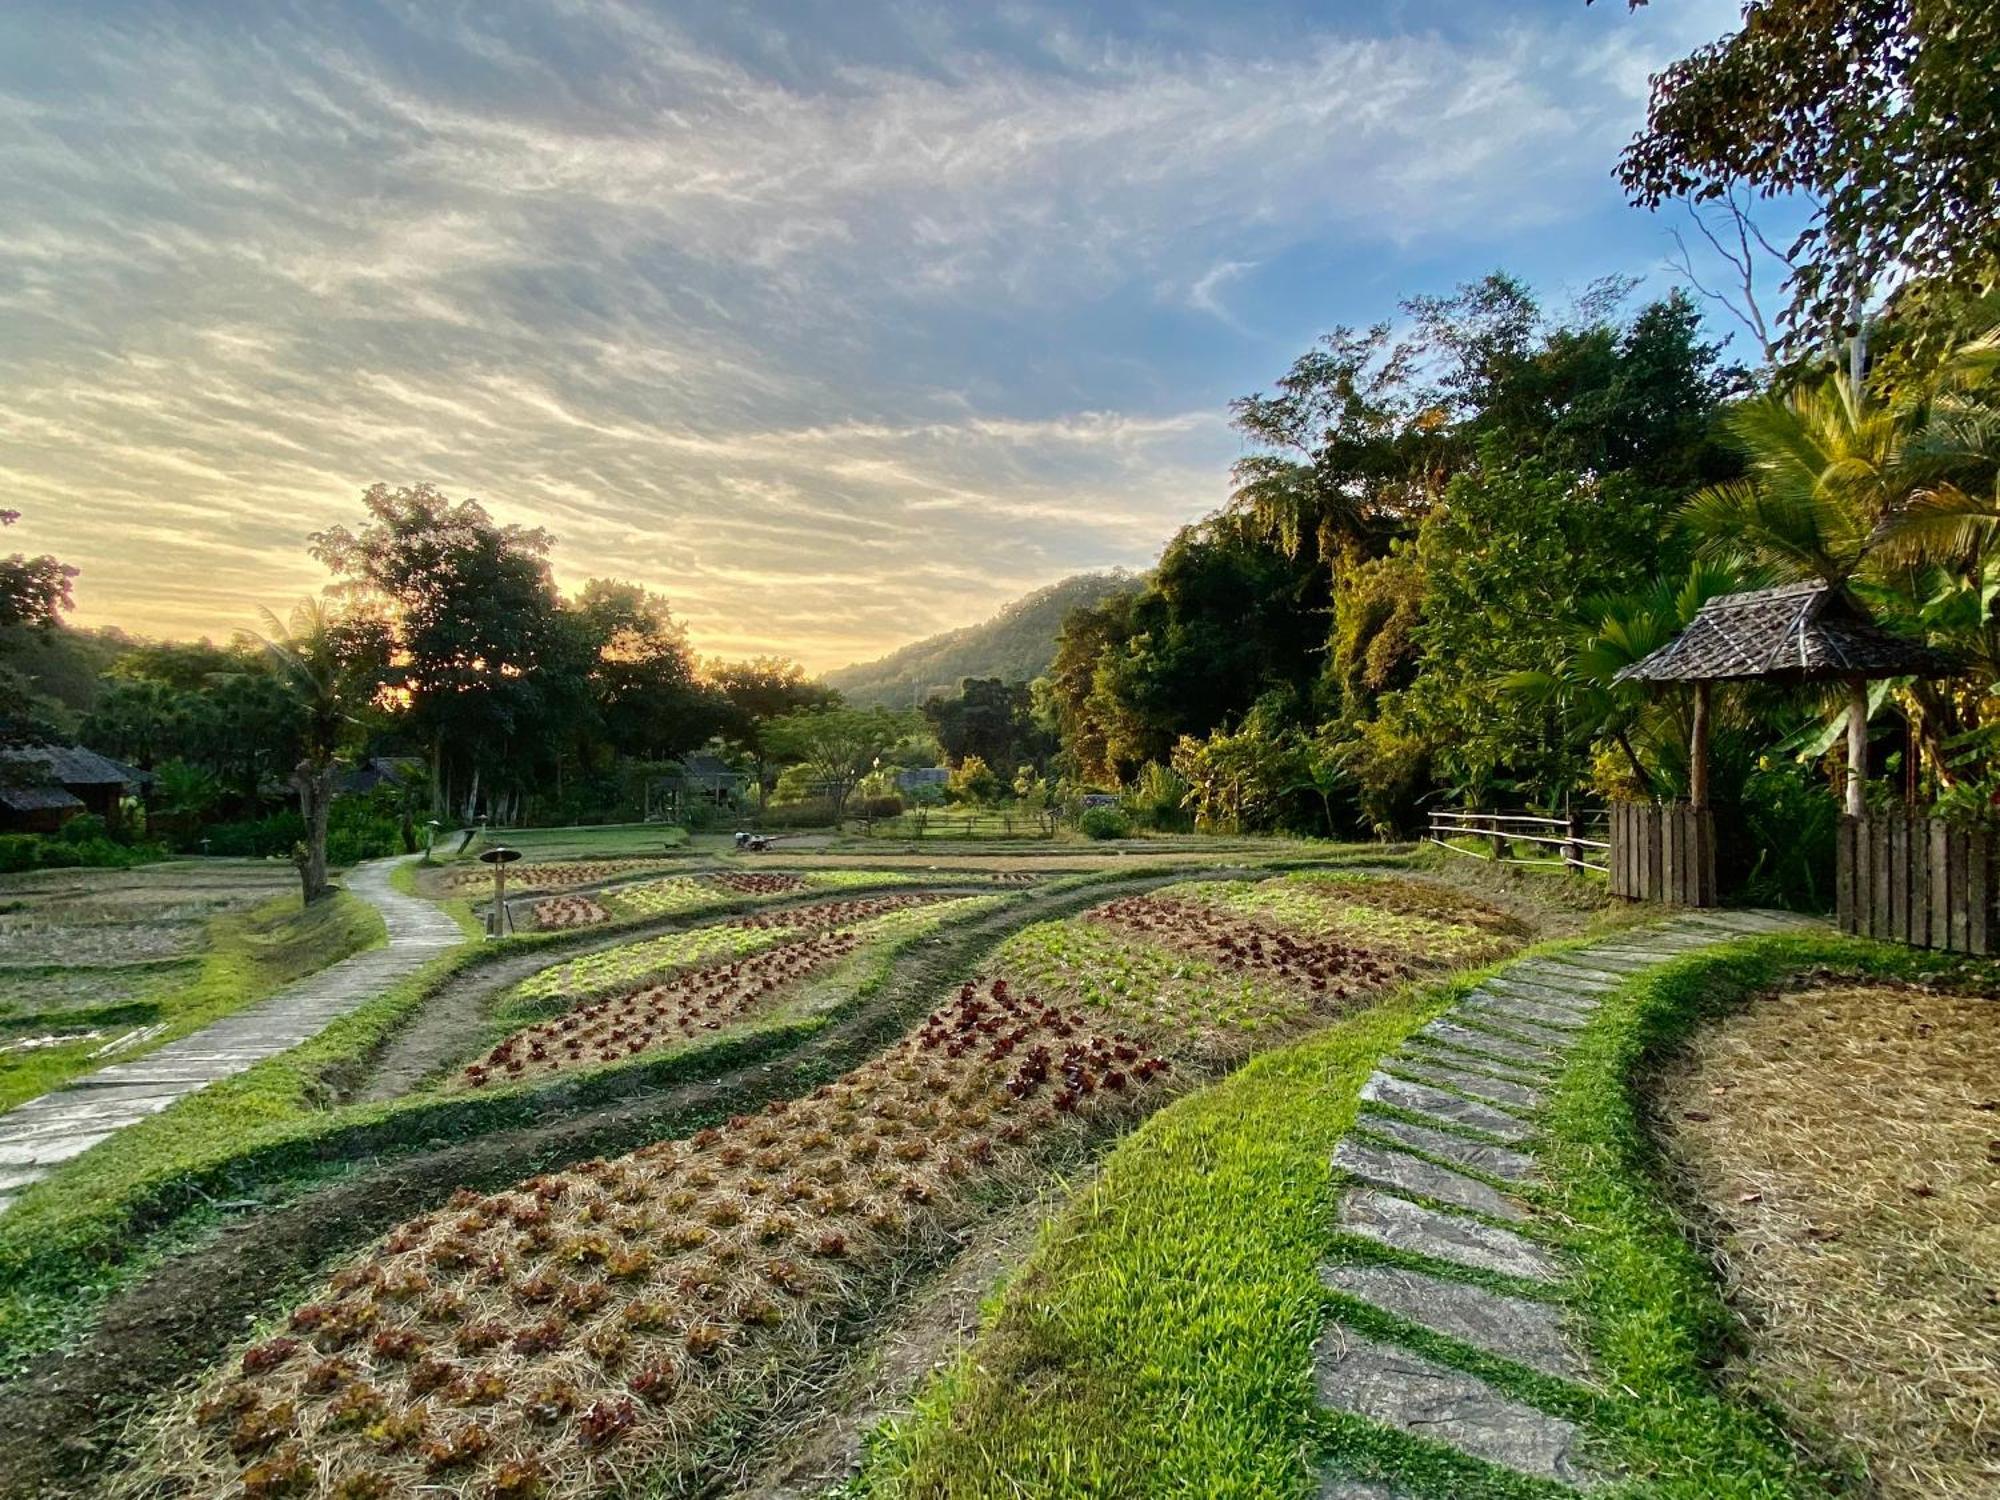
(34, 591)
(757, 692)
(483, 657)
(836, 746)
(329, 667)
(974, 781)
(647, 696)
(1881, 113)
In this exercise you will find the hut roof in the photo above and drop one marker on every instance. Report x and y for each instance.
(72, 765)
(24, 799)
(1802, 632)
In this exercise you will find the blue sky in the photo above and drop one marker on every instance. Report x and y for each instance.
(837, 324)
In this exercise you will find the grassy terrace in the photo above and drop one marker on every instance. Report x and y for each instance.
(113, 964)
(1159, 1340)
(644, 1317)
(279, 1127)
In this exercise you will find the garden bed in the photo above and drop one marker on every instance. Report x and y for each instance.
(621, 1319)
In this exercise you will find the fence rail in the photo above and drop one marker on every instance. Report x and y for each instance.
(1920, 880)
(1569, 837)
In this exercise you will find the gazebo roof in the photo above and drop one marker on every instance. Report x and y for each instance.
(1802, 632)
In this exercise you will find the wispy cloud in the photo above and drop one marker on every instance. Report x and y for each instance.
(813, 338)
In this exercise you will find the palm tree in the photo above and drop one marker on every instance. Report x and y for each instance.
(309, 655)
(1618, 631)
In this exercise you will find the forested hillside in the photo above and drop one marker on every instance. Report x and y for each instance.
(1016, 645)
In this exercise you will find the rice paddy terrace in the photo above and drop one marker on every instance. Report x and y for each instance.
(690, 1187)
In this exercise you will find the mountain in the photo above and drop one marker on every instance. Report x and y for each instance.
(1017, 644)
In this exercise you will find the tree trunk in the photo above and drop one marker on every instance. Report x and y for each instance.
(1698, 751)
(1857, 748)
(315, 788)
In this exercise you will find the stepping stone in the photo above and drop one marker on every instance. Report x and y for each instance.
(1403, 1225)
(1495, 1161)
(1425, 1051)
(1412, 1174)
(1449, 1033)
(1480, 1085)
(1423, 1099)
(1493, 1013)
(1539, 1011)
(1527, 1332)
(1566, 976)
(1544, 994)
(1340, 1487)
(1417, 1396)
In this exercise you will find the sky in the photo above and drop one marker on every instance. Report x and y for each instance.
(837, 324)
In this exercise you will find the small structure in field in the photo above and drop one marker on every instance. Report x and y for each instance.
(43, 786)
(1799, 633)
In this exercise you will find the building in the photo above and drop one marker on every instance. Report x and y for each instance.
(43, 786)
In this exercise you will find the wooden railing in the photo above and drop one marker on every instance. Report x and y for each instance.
(1919, 880)
(1571, 838)
(1663, 851)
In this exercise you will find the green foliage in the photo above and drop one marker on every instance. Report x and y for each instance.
(1880, 113)
(973, 781)
(833, 748)
(1104, 823)
(1016, 645)
(67, 851)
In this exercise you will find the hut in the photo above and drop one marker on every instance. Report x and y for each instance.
(1799, 633)
(44, 786)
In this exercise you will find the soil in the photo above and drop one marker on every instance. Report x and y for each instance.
(183, 1316)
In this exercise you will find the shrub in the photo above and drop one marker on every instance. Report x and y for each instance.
(85, 828)
(876, 807)
(817, 813)
(1104, 823)
(19, 851)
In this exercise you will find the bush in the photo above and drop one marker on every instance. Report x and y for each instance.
(1104, 823)
(30, 851)
(1791, 823)
(85, 828)
(817, 813)
(875, 807)
(19, 851)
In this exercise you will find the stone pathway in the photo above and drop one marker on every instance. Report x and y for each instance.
(38, 1136)
(1445, 1135)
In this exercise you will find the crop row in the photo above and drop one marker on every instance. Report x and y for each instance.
(552, 875)
(686, 895)
(659, 1015)
(555, 913)
(632, 963)
(588, 1326)
(1426, 921)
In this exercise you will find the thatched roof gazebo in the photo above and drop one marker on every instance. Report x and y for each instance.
(1798, 633)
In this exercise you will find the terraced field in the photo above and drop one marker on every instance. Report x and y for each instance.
(636, 1321)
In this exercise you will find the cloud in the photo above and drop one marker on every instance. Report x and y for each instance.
(808, 333)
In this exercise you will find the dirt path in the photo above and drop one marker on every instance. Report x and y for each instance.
(180, 1318)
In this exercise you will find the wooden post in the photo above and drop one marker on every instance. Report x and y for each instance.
(1857, 747)
(1698, 751)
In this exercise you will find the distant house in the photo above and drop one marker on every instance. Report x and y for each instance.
(43, 786)
(381, 770)
(699, 778)
(915, 776)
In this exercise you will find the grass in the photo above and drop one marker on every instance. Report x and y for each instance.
(249, 956)
(1159, 1340)
(608, 841)
(91, 1228)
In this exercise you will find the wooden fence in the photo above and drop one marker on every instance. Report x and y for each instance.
(1663, 851)
(1918, 880)
(1571, 838)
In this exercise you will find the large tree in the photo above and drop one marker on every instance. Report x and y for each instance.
(330, 667)
(756, 693)
(1883, 114)
(837, 746)
(483, 658)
